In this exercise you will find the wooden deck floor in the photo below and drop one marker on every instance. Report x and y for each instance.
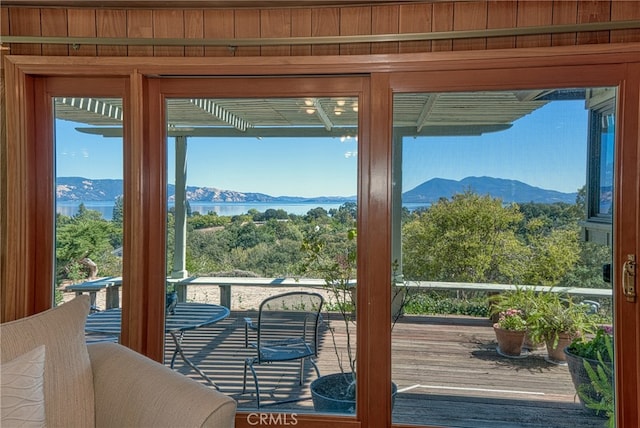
(447, 371)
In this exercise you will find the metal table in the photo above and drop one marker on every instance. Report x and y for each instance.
(188, 316)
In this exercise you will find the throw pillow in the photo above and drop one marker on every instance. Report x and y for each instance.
(68, 378)
(21, 392)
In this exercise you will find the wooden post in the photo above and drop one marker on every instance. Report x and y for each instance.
(225, 295)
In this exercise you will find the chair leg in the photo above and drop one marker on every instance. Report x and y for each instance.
(244, 378)
(255, 380)
(301, 374)
(315, 366)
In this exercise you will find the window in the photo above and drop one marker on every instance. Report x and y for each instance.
(600, 166)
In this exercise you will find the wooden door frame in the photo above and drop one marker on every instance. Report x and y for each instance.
(627, 196)
(21, 211)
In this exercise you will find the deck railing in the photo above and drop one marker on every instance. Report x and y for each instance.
(111, 284)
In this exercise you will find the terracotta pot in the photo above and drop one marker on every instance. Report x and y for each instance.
(556, 353)
(509, 341)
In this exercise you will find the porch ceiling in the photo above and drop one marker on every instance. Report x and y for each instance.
(463, 113)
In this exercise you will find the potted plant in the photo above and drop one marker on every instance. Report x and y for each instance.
(590, 363)
(557, 321)
(510, 331)
(523, 298)
(336, 264)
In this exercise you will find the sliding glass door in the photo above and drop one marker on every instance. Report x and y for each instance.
(494, 241)
(420, 125)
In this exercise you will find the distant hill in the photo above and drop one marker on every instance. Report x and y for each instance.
(508, 190)
(85, 189)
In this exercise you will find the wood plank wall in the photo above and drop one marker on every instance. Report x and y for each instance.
(316, 21)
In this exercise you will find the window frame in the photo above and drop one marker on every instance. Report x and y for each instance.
(23, 294)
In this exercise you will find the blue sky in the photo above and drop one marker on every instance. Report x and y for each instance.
(546, 149)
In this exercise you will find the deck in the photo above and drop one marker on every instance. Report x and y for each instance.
(446, 367)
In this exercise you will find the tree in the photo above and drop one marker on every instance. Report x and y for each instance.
(346, 213)
(553, 255)
(86, 235)
(117, 216)
(469, 238)
(317, 214)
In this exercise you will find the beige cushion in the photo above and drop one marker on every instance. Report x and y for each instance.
(68, 379)
(21, 392)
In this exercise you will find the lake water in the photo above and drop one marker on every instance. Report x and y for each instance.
(70, 208)
(221, 208)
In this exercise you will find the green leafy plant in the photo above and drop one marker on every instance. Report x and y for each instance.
(601, 381)
(592, 347)
(554, 314)
(512, 319)
(523, 298)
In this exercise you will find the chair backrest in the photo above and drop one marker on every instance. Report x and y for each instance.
(288, 317)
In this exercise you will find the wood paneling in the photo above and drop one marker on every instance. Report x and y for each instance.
(531, 13)
(415, 18)
(501, 14)
(355, 21)
(168, 24)
(247, 24)
(54, 23)
(470, 16)
(594, 11)
(442, 21)
(275, 23)
(140, 25)
(194, 29)
(25, 22)
(82, 23)
(620, 11)
(308, 21)
(564, 12)
(218, 24)
(385, 20)
(301, 27)
(325, 22)
(4, 21)
(111, 23)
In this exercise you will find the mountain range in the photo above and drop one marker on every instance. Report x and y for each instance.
(86, 190)
(508, 190)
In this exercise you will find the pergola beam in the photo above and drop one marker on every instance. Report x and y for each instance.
(324, 117)
(425, 113)
(95, 106)
(221, 114)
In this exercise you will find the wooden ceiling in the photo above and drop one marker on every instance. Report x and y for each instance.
(206, 4)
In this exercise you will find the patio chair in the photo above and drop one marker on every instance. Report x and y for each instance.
(286, 330)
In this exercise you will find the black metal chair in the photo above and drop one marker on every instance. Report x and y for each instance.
(286, 330)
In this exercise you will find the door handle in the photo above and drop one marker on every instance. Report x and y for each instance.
(629, 278)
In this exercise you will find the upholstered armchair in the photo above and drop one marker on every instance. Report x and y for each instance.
(51, 376)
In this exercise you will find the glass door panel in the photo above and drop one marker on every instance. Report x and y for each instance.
(262, 201)
(502, 221)
(89, 200)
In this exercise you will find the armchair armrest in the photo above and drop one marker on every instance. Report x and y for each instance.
(133, 390)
